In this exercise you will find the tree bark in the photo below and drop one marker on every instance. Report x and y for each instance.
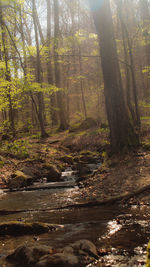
(122, 133)
(127, 65)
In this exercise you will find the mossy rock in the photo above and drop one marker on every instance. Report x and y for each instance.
(15, 228)
(66, 159)
(51, 172)
(88, 159)
(26, 255)
(82, 169)
(79, 254)
(19, 179)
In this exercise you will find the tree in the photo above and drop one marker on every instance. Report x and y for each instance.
(122, 133)
(7, 73)
(38, 73)
(130, 67)
(62, 117)
(50, 79)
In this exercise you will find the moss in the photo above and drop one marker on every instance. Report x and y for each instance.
(67, 159)
(90, 153)
(15, 228)
(20, 175)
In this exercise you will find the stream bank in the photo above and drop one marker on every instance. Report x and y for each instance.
(120, 230)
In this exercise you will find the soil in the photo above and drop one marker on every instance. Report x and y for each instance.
(124, 175)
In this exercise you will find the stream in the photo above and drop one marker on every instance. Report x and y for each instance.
(120, 232)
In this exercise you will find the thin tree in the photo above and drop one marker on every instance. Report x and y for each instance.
(38, 74)
(62, 115)
(53, 103)
(130, 68)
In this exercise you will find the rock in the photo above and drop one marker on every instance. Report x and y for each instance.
(66, 159)
(51, 173)
(88, 159)
(17, 228)
(59, 260)
(82, 169)
(19, 179)
(28, 171)
(28, 256)
(85, 247)
(79, 254)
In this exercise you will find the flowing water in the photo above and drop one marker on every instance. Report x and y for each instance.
(120, 232)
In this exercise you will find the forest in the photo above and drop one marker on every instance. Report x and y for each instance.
(74, 133)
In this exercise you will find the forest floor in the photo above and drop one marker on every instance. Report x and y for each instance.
(118, 175)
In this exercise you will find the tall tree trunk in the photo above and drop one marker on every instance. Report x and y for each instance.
(127, 65)
(81, 85)
(53, 103)
(81, 69)
(38, 75)
(62, 116)
(122, 133)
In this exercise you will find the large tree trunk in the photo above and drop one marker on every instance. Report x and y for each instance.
(122, 134)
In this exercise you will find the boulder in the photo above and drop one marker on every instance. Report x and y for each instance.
(28, 256)
(16, 228)
(51, 173)
(85, 247)
(60, 260)
(28, 171)
(82, 169)
(78, 254)
(66, 159)
(19, 179)
(88, 158)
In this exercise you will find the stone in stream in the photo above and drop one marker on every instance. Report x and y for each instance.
(19, 179)
(51, 173)
(78, 254)
(27, 256)
(82, 169)
(25, 228)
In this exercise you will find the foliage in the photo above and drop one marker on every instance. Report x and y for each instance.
(148, 256)
(17, 148)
